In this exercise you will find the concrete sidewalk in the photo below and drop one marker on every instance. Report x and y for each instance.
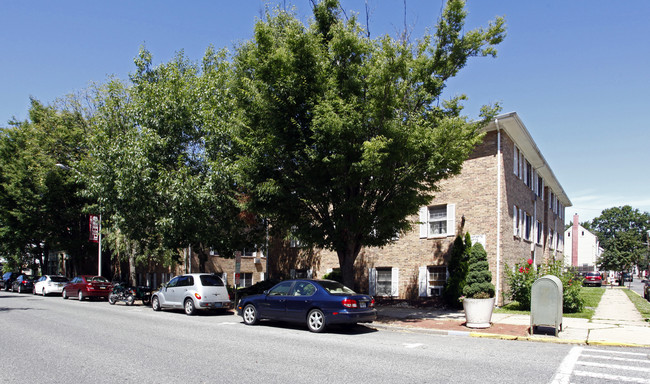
(616, 322)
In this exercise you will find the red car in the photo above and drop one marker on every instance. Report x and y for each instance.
(87, 286)
(593, 278)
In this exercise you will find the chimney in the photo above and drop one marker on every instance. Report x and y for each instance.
(574, 241)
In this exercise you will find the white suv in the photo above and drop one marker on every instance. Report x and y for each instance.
(191, 293)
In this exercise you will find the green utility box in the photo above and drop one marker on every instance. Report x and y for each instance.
(546, 304)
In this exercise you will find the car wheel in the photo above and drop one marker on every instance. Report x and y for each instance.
(155, 303)
(64, 294)
(80, 295)
(111, 299)
(130, 299)
(190, 309)
(20, 289)
(250, 315)
(146, 300)
(316, 321)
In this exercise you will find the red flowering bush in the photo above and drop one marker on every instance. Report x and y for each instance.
(523, 275)
(521, 279)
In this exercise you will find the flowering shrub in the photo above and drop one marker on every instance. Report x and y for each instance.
(521, 281)
(523, 275)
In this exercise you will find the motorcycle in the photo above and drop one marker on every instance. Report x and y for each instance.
(129, 294)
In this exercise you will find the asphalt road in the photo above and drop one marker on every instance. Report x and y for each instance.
(51, 340)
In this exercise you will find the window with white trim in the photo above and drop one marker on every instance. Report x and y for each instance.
(551, 239)
(540, 187)
(437, 277)
(245, 279)
(437, 221)
(516, 221)
(528, 223)
(384, 282)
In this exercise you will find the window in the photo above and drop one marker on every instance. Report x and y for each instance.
(540, 187)
(281, 289)
(211, 281)
(516, 161)
(528, 175)
(437, 221)
(301, 273)
(303, 289)
(437, 280)
(384, 282)
(245, 279)
(551, 239)
(249, 252)
(528, 222)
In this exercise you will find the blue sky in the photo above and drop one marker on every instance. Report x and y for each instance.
(577, 72)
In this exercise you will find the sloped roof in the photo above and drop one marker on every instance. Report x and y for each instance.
(515, 128)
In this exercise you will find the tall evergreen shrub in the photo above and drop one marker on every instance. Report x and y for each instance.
(457, 269)
(479, 279)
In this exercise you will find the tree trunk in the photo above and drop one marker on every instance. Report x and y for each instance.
(347, 256)
(132, 267)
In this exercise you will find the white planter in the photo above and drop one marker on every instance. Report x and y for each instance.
(478, 312)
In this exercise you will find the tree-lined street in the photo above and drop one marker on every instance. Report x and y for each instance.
(55, 340)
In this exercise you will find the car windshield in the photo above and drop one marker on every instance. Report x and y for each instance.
(99, 279)
(58, 279)
(336, 288)
(211, 281)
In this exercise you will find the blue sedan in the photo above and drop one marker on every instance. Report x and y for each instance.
(318, 303)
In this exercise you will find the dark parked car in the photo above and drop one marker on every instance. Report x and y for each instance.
(646, 289)
(87, 286)
(7, 279)
(23, 283)
(318, 303)
(627, 276)
(593, 278)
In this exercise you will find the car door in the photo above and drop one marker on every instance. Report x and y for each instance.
(169, 293)
(299, 301)
(274, 306)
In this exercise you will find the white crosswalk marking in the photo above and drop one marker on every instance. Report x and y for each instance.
(583, 364)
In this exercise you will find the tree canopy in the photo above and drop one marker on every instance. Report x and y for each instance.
(39, 206)
(622, 232)
(342, 137)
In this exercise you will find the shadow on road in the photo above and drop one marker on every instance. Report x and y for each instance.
(337, 329)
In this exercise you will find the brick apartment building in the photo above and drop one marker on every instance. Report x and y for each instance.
(506, 197)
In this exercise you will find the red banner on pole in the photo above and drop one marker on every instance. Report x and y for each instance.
(93, 226)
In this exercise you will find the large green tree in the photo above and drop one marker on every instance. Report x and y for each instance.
(622, 232)
(158, 160)
(342, 136)
(39, 206)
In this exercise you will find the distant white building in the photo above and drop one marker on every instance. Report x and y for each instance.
(581, 248)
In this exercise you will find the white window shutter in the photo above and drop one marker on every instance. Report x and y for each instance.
(423, 222)
(514, 220)
(394, 282)
(423, 282)
(521, 222)
(372, 281)
(451, 219)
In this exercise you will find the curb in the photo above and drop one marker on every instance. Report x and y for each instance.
(497, 336)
